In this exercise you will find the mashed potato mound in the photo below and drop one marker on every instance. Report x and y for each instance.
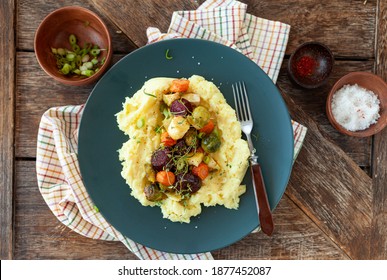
(141, 117)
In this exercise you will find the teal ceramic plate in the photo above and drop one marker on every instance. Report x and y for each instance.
(100, 138)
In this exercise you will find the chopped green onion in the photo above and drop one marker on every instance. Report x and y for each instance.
(70, 56)
(88, 65)
(206, 159)
(66, 69)
(167, 56)
(72, 39)
(140, 123)
(96, 208)
(77, 71)
(77, 61)
(86, 58)
(87, 46)
(61, 51)
(166, 113)
(150, 94)
(76, 48)
(83, 67)
(87, 73)
(95, 52)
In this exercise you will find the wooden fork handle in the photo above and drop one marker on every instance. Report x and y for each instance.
(265, 217)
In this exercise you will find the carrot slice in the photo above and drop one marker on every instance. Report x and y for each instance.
(179, 86)
(201, 170)
(208, 128)
(167, 178)
(167, 140)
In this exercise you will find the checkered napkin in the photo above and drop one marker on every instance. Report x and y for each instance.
(58, 175)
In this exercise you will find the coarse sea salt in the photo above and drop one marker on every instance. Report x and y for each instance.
(355, 108)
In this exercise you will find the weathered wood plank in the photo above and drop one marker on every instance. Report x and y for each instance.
(337, 196)
(325, 21)
(347, 27)
(146, 12)
(33, 99)
(7, 113)
(295, 237)
(39, 235)
(379, 222)
(313, 102)
(31, 13)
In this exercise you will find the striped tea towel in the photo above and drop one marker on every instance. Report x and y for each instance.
(226, 22)
(61, 185)
(57, 167)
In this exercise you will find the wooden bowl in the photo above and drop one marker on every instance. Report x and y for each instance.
(368, 81)
(54, 32)
(320, 65)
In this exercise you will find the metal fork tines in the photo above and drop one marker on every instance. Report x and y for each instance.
(244, 116)
(243, 113)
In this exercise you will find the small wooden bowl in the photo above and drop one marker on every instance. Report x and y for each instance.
(368, 81)
(322, 68)
(54, 32)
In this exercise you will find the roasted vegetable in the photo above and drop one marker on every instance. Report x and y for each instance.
(191, 137)
(160, 159)
(179, 85)
(210, 143)
(200, 117)
(201, 170)
(178, 127)
(187, 183)
(181, 107)
(153, 193)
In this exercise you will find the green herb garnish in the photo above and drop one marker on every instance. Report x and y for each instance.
(167, 56)
(149, 94)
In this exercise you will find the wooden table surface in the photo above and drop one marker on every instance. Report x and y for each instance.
(335, 206)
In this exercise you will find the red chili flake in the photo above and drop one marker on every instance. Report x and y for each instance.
(306, 65)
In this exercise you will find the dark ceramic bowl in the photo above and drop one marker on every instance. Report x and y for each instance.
(310, 65)
(368, 81)
(54, 32)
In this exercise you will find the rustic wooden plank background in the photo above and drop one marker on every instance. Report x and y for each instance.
(379, 225)
(331, 199)
(7, 110)
(311, 219)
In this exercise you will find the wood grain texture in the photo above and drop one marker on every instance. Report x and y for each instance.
(148, 13)
(312, 102)
(339, 202)
(39, 235)
(32, 100)
(345, 26)
(295, 237)
(31, 13)
(379, 222)
(311, 20)
(7, 112)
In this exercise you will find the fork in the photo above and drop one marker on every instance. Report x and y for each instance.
(244, 116)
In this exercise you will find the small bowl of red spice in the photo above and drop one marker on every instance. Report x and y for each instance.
(310, 65)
